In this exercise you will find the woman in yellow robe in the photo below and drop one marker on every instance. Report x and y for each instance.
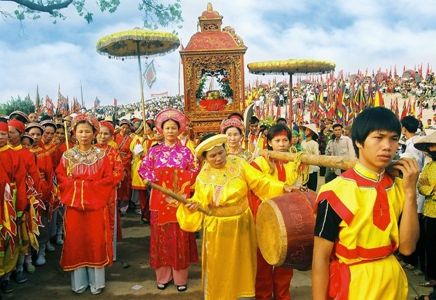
(229, 238)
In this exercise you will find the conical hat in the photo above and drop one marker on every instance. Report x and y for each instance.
(312, 128)
(423, 143)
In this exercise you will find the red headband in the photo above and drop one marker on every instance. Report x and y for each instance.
(108, 125)
(281, 132)
(17, 124)
(4, 126)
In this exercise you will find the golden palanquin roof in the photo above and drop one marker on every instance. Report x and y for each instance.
(211, 36)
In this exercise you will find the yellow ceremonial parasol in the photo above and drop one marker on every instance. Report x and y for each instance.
(138, 42)
(291, 66)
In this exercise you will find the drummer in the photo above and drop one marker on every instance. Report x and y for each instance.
(358, 228)
(272, 280)
(229, 237)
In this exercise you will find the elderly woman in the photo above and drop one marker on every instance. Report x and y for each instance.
(171, 165)
(86, 183)
(229, 238)
(234, 129)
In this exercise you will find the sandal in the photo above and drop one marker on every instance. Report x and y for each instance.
(423, 297)
(182, 288)
(162, 286)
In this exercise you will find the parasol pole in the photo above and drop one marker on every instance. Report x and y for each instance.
(291, 116)
(142, 84)
(67, 144)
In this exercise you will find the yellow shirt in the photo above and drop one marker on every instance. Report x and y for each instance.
(360, 240)
(427, 187)
(137, 182)
(229, 237)
(290, 168)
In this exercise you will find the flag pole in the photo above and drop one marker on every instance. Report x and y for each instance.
(81, 94)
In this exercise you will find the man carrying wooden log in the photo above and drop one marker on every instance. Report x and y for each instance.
(357, 228)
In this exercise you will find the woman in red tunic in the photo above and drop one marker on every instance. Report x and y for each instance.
(86, 184)
(123, 139)
(44, 164)
(104, 136)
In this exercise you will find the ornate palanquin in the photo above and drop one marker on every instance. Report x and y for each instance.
(213, 71)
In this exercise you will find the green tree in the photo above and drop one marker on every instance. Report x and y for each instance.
(155, 13)
(25, 105)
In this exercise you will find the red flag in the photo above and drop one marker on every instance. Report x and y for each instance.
(405, 111)
(279, 111)
(396, 111)
(419, 116)
(49, 106)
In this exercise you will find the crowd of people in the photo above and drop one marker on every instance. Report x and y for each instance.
(69, 181)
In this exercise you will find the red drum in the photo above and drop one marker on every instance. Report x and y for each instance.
(284, 227)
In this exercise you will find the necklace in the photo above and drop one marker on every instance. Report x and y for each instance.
(88, 157)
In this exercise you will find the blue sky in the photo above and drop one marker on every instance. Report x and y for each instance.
(365, 34)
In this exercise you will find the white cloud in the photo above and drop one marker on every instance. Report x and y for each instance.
(372, 34)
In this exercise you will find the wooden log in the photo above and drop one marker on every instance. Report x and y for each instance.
(175, 196)
(336, 162)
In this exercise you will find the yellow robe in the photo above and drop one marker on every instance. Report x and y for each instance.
(291, 169)
(229, 237)
(363, 249)
(137, 182)
(426, 186)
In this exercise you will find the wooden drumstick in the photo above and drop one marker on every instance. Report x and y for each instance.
(174, 196)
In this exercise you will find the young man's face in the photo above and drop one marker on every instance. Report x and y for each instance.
(253, 128)
(337, 131)
(378, 149)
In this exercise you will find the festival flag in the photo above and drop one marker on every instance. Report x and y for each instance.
(412, 104)
(62, 106)
(96, 103)
(396, 109)
(150, 74)
(49, 106)
(75, 107)
(321, 98)
(405, 110)
(378, 100)
(116, 102)
(37, 101)
(279, 111)
(420, 107)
